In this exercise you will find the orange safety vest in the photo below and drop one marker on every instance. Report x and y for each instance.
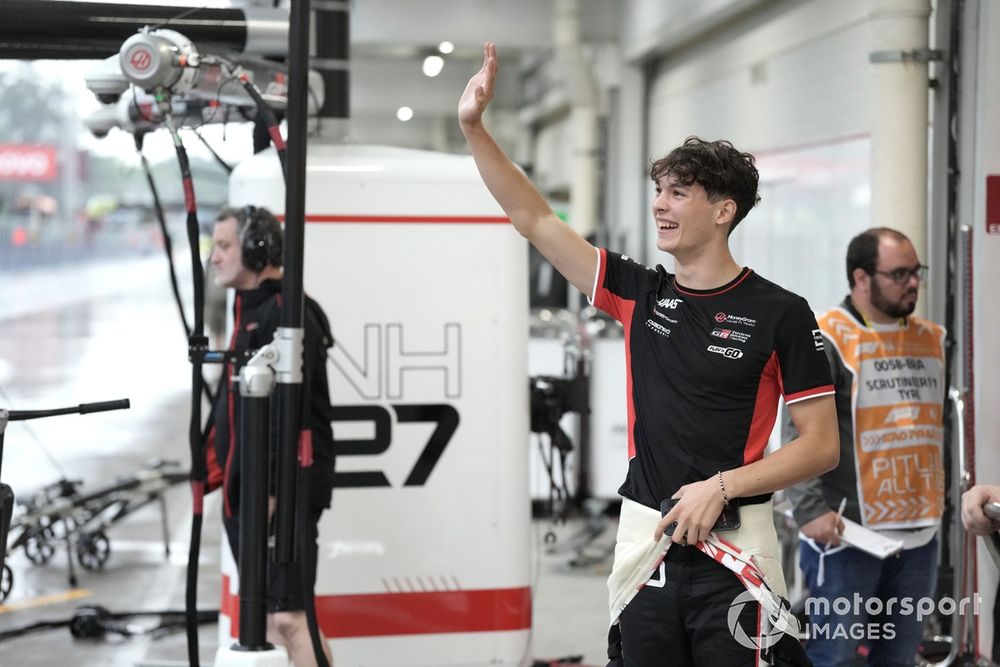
(897, 398)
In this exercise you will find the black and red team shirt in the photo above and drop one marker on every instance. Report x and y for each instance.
(705, 370)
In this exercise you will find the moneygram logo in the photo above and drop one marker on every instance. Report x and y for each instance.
(721, 317)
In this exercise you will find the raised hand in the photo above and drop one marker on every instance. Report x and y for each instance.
(479, 90)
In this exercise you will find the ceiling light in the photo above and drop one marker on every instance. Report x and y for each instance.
(446, 47)
(404, 113)
(433, 65)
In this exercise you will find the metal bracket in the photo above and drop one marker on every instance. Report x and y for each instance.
(257, 377)
(916, 55)
(289, 344)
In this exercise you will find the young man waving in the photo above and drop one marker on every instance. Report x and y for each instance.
(710, 349)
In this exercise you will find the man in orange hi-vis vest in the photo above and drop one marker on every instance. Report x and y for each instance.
(888, 371)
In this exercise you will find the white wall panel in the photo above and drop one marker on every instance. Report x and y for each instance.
(554, 156)
(800, 78)
(794, 88)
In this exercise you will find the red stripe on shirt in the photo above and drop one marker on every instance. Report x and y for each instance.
(628, 307)
(826, 389)
(230, 407)
(622, 310)
(765, 411)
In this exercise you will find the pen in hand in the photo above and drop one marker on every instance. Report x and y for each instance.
(837, 521)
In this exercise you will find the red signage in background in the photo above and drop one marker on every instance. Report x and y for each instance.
(27, 162)
(993, 204)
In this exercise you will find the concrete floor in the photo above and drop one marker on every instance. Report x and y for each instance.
(68, 336)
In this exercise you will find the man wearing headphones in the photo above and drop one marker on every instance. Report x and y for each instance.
(246, 255)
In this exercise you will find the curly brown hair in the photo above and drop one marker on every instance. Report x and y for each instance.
(721, 169)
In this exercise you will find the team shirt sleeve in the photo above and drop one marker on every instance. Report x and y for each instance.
(800, 345)
(618, 283)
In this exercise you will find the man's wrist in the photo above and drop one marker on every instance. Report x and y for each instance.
(728, 484)
(722, 487)
(472, 129)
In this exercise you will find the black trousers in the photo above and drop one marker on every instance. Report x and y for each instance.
(682, 617)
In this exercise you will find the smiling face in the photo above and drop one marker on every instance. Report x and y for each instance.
(686, 220)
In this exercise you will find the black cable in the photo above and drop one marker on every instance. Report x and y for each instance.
(197, 346)
(307, 567)
(168, 244)
(34, 627)
(94, 621)
(270, 119)
(183, 14)
(219, 105)
(218, 159)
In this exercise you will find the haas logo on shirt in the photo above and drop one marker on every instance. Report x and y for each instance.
(668, 303)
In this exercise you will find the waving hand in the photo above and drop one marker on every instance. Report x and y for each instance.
(479, 90)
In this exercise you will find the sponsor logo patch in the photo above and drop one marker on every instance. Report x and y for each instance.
(726, 318)
(669, 303)
(728, 352)
(731, 334)
(818, 339)
(658, 328)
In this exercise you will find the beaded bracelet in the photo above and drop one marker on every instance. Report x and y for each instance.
(722, 486)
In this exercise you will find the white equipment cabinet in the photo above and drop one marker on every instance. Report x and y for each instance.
(424, 558)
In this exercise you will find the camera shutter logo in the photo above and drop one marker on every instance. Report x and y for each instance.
(766, 639)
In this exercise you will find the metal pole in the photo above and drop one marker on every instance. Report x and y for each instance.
(289, 392)
(256, 383)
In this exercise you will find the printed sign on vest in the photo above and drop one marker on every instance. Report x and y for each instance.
(897, 398)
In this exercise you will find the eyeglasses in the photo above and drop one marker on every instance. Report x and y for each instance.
(901, 275)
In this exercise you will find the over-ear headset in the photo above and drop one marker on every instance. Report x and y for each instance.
(260, 239)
